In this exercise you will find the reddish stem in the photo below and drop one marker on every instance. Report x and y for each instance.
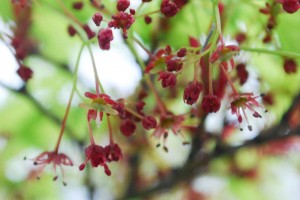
(111, 140)
(91, 133)
(229, 80)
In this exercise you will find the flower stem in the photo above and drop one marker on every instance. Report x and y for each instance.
(97, 80)
(64, 121)
(91, 133)
(273, 52)
(68, 13)
(159, 102)
(111, 139)
(216, 13)
(147, 79)
(149, 13)
(229, 80)
(142, 46)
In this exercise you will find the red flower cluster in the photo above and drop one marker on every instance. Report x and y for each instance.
(105, 36)
(169, 8)
(210, 103)
(129, 119)
(192, 92)
(168, 79)
(122, 20)
(99, 156)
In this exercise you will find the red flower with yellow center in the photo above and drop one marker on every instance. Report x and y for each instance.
(57, 160)
(101, 103)
(244, 101)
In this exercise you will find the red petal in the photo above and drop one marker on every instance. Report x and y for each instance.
(90, 95)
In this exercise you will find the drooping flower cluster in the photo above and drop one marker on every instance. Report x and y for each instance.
(99, 156)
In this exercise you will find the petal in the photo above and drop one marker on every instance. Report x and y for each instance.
(90, 95)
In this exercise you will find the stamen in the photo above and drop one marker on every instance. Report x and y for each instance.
(256, 115)
(165, 135)
(250, 128)
(166, 149)
(55, 178)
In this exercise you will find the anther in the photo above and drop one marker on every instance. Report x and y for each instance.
(250, 128)
(166, 149)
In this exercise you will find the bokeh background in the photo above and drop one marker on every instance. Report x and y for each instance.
(267, 169)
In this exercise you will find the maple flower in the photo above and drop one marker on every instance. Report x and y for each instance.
(169, 122)
(244, 101)
(210, 103)
(113, 152)
(105, 36)
(168, 8)
(97, 156)
(57, 159)
(168, 79)
(127, 127)
(101, 103)
(122, 20)
(192, 92)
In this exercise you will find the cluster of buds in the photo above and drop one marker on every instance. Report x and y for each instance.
(20, 41)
